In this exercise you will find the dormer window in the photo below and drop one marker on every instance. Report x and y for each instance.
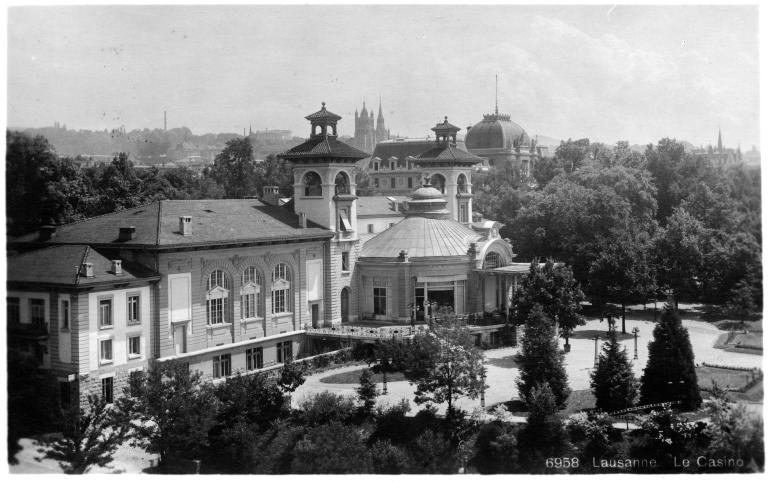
(342, 183)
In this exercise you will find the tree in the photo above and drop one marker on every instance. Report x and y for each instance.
(543, 435)
(622, 271)
(291, 376)
(174, 411)
(90, 437)
(742, 304)
(326, 407)
(680, 252)
(33, 395)
(432, 453)
(592, 435)
(444, 365)
(387, 458)
(734, 433)
(540, 360)
(235, 170)
(334, 448)
(496, 449)
(247, 405)
(670, 374)
(367, 392)
(668, 438)
(613, 382)
(554, 289)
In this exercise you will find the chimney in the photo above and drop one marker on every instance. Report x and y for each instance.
(127, 233)
(302, 220)
(185, 225)
(117, 267)
(46, 232)
(403, 256)
(271, 195)
(86, 269)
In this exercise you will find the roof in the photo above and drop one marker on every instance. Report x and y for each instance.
(59, 265)
(214, 221)
(323, 114)
(402, 149)
(379, 205)
(448, 153)
(323, 147)
(496, 131)
(446, 126)
(421, 237)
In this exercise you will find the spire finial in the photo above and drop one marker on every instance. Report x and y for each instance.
(323, 103)
(497, 94)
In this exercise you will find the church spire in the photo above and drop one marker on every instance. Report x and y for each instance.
(497, 94)
(719, 140)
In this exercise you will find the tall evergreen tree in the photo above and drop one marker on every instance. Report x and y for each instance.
(670, 374)
(540, 360)
(543, 435)
(367, 392)
(613, 382)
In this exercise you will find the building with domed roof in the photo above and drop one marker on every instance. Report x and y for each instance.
(430, 261)
(504, 143)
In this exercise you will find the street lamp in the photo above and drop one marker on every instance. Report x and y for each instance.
(635, 331)
(382, 362)
(597, 337)
(482, 387)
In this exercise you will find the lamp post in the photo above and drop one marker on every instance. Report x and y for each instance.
(482, 387)
(382, 362)
(635, 331)
(597, 337)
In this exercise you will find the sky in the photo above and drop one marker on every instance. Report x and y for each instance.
(636, 73)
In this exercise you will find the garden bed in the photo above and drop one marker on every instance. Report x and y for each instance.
(353, 377)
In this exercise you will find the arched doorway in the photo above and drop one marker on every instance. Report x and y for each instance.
(345, 305)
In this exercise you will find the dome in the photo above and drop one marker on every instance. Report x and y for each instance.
(426, 231)
(496, 131)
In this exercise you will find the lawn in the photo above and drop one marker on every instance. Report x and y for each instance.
(723, 377)
(353, 377)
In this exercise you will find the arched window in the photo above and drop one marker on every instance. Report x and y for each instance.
(217, 298)
(342, 183)
(281, 289)
(250, 294)
(493, 260)
(438, 182)
(462, 183)
(313, 185)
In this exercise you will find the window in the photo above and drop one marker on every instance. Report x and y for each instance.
(313, 185)
(438, 182)
(65, 395)
(410, 182)
(133, 309)
(284, 352)
(281, 289)
(64, 315)
(105, 351)
(134, 346)
(370, 228)
(463, 213)
(375, 166)
(342, 183)
(14, 312)
(107, 389)
(222, 366)
(250, 293)
(105, 313)
(345, 260)
(375, 182)
(392, 182)
(379, 301)
(217, 297)
(37, 311)
(254, 358)
(344, 224)
(492, 260)
(462, 183)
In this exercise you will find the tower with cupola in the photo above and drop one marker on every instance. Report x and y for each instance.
(324, 194)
